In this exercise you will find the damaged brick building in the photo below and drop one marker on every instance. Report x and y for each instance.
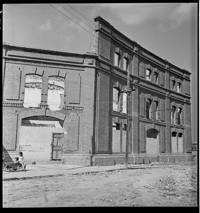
(73, 107)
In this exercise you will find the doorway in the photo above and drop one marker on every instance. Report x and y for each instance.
(57, 146)
(152, 142)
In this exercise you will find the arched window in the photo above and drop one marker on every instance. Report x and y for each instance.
(55, 98)
(152, 133)
(33, 88)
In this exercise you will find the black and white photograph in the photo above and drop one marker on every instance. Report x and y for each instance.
(100, 104)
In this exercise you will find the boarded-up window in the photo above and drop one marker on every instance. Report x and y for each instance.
(116, 138)
(55, 98)
(73, 133)
(152, 142)
(180, 143)
(75, 89)
(162, 78)
(174, 142)
(33, 89)
(142, 105)
(12, 83)
(142, 70)
(162, 110)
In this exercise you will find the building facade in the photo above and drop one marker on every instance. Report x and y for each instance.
(73, 107)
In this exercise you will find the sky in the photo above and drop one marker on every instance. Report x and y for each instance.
(169, 30)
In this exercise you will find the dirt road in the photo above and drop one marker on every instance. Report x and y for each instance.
(168, 185)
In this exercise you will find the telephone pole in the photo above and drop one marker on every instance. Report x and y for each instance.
(128, 92)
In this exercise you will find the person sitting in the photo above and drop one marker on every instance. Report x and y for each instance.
(21, 160)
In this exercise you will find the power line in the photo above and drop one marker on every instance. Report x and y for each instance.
(78, 18)
(70, 19)
(81, 15)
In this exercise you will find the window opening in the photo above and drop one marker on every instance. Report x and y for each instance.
(173, 113)
(148, 108)
(55, 98)
(179, 115)
(116, 99)
(117, 59)
(148, 74)
(157, 110)
(179, 87)
(173, 84)
(33, 88)
(125, 64)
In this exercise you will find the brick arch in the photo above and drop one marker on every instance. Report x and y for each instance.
(152, 126)
(41, 112)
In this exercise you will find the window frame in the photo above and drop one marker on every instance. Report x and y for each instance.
(125, 68)
(148, 77)
(149, 109)
(178, 87)
(173, 115)
(117, 63)
(118, 99)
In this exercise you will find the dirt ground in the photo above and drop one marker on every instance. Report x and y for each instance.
(166, 185)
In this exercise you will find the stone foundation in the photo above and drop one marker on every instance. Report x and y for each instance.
(113, 159)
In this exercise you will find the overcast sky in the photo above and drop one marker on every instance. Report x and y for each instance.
(166, 29)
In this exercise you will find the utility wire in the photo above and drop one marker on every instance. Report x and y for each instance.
(78, 18)
(81, 14)
(71, 19)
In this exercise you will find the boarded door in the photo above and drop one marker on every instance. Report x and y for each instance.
(152, 142)
(57, 144)
(180, 143)
(174, 142)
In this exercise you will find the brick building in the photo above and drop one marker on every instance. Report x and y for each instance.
(74, 106)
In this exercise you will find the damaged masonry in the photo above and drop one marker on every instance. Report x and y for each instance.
(73, 107)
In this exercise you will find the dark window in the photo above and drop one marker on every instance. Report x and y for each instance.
(125, 64)
(179, 116)
(116, 126)
(173, 113)
(152, 133)
(116, 99)
(156, 78)
(173, 84)
(173, 134)
(148, 108)
(117, 59)
(157, 110)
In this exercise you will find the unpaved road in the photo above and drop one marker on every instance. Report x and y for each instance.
(169, 185)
